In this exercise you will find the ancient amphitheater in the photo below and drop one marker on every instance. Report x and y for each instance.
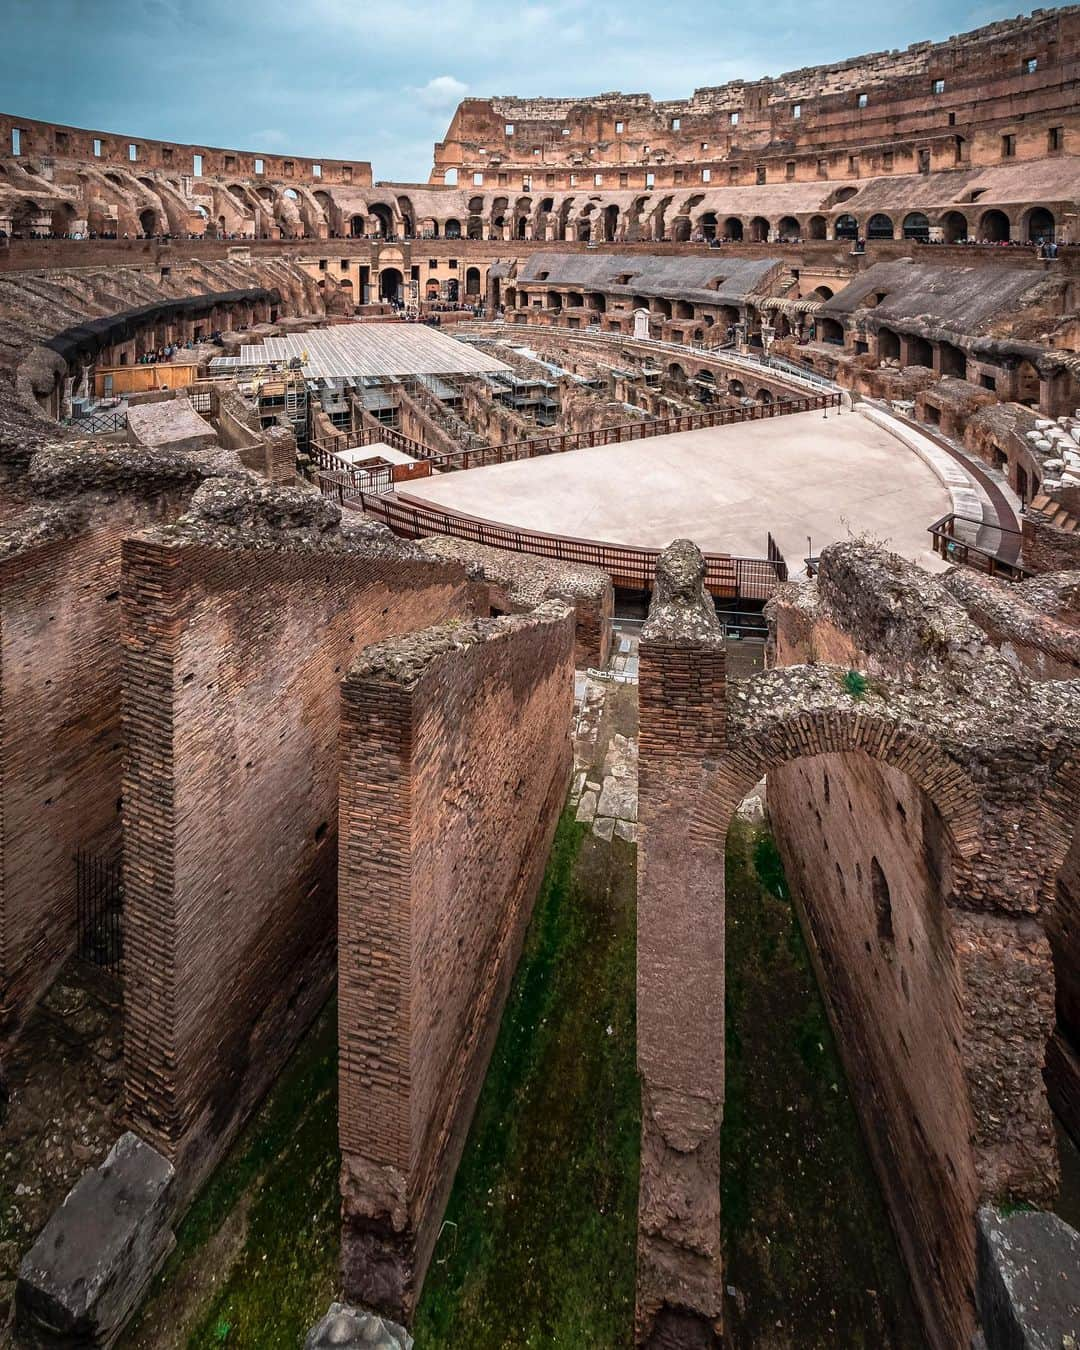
(540, 723)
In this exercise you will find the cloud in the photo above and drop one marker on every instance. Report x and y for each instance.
(441, 93)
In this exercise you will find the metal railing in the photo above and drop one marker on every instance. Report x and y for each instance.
(101, 423)
(994, 549)
(629, 567)
(99, 903)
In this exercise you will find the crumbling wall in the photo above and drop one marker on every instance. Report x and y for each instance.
(239, 624)
(454, 767)
(60, 664)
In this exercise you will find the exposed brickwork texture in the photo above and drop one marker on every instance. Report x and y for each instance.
(60, 745)
(926, 904)
(455, 761)
(236, 640)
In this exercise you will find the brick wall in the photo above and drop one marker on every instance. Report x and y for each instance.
(60, 744)
(455, 764)
(867, 858)
(234, 655)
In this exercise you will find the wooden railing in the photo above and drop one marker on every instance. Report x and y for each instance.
(572, 440)
(629, 567)
(962, 539)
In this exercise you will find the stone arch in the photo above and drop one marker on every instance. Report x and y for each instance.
(472, 282)
(681, 229)
(787, 230)
(954, 227)
(817, 227)
(611, 223)
(385, 217)
(357, 226)
(733, 229)
(888, 345)
(452, 229)
(879, 226)
(759, 230)
(1038, 225)
(994, 227)
(847, 227)
(148, 220)
(822, 293)
(916, 226)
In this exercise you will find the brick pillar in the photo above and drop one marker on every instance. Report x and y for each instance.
(680, 959)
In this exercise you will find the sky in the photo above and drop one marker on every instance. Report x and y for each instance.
(379, 79)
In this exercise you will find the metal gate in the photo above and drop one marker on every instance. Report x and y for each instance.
(99, 899)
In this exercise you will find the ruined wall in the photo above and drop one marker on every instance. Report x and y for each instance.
(238, 627)
(455, 763)
(60, 664)
(1063, 1052)
(866, 855)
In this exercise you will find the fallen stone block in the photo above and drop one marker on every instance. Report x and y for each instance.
(1028, 1281)
(345, 1328)
(90, 1266)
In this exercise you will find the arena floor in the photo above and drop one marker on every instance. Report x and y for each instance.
(724, 487)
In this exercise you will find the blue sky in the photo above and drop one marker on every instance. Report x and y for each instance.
(361, 80)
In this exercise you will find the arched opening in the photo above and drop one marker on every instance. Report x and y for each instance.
(472, 282)
(357, 226)
(62, 216)
(384, 219)
(611, 223)
(953, 360)
(787, 231)
(453, 290)
(733, 229)
(920, 353)
(683, 309)
(818, 227)
(879, 226)
(292, 194)
(452, 229)
(847, 227)
(821, 293)
(1027, 384)
(147, 221)
(759, 230)
(736, 388)
(954, 227)
(764, 396)
(431, 290)
(475, 227)
(681, 229)
(994, 227)
(1040, 226)
(830, 330)
(521, 226)
(916, 226)
(676, 374)
(596, 300)
(708, 225)
(391, 285)
(888, 345)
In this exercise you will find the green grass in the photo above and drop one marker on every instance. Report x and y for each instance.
(538, 1244)
(807, 1241)
(285, 1166)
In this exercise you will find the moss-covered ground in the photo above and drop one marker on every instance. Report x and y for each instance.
(808, 1248)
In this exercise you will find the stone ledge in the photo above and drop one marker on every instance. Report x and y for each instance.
(93, 1260)
(1029, 1281)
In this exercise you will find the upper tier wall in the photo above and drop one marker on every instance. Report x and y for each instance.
(1012, 72)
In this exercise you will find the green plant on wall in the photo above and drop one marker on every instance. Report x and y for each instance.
(855, 684)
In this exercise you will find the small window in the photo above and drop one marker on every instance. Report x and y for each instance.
(97, 148)
(598, 180)
(230, 163)
(823, 168)
(760, 174)
(452, 264)
(316, 171)
(853, 164)
(1031, 65)
(624, 180)
(508, 130)
(432, 264)
(196, 165)
(952, 119)
(449, 177)
(566, 131)
(704, 145)
(536, 150)
(549, 180)
(887, 159)
(789, 169)
(939, 86)
(16, 141)
(526, 183)
(863, 100)
(322, 264)
(706, 175)
(167, 155)
(1008, 147)
(345, 264)
(259, 166)
(573, 179)
(61, 142)
(676, 123)
(1055, 138)
(734, 170)
(619, 128)
(133, 153)
(796, 111)
(650, 180)
(735, 119)
(478, 180)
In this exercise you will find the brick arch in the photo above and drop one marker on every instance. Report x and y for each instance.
(832, 730)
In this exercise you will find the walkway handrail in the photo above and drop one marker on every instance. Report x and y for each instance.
(630, 567)
(955, 549)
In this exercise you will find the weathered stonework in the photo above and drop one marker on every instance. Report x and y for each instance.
(239, 622)
(454, 768)
(907, 706)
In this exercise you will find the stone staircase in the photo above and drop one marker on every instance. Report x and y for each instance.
(1055, 514)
